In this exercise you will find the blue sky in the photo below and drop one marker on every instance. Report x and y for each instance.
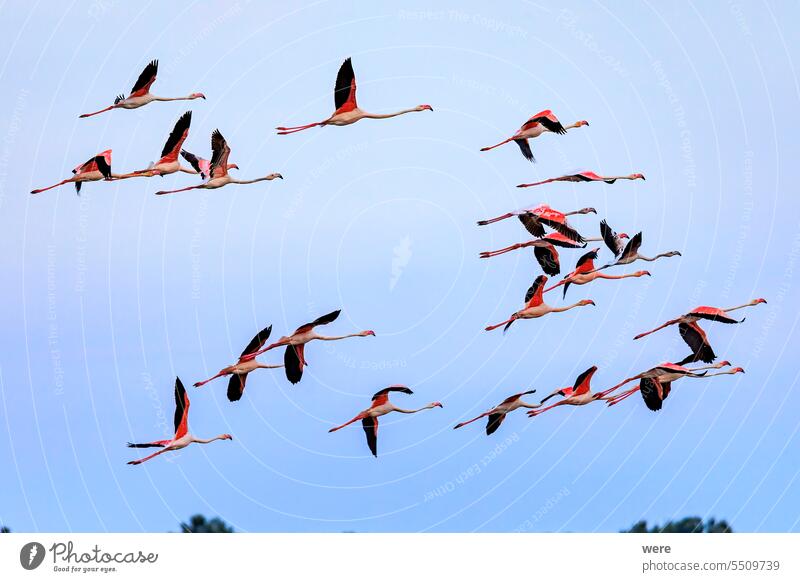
(107, 297)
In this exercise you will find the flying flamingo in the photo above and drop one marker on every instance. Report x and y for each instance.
(535, 219)
(553, 239)
(183, 438)
(168, 163)
(294, 357)
(579, 395)
(542, 122)
(380, 406)
(498, 414)
(586, 273)
(535, 306)
(631, 253)
(218, 169)
(705, 312)
(586, 176)
(347, 110)
(94, 169)
(246, 364)
(656, 383)
(140, 94)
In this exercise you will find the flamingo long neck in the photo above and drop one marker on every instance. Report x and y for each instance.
(567, 308)
(524, 404)
(723, 373)
(187, 98)
(739, 307)
(598, 275)
(206, 441)
(573, 125)
(387, 115)
(335, 337)
(235, 181)
(411, 411)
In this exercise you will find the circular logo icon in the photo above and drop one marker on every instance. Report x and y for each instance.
(31, 555)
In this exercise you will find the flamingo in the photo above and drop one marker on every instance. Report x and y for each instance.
(535, 219)
(535, 306)
(347, 110)
(586, 273)
(294, 357)
(498, 414)
(218, 168)
(168, 163)
(183, 438)
(579, 395)
(549, 241)
(656, 383)
(380, 406)
(140, 93)
(705, 312)
(94, 169)
(542, 122)
(586, 176)
(631, 253)
(246, 364)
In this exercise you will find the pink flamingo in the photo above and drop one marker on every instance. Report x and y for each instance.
(140, 93)
(498, 414)
(543, 122)
(183, 438)
(379, 407)
(347, 110)
(535, 306)
(579, 395)
(535, 219)
(586, 176)
(656, 383)
(246, 364)
(586, 273)
(294, 356)
(705, 312)
(94, 169)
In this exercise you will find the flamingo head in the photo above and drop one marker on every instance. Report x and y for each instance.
(737, 371)
(589, 210)
(673, 254)
(197, 96)
(226, 437)
(274, 176)
(724, 363)
(638, 177)
(366, 332)
(586, 302)
(424, 108)
(581, 123)
(623, 235)
(759, 300)
(435, 405)
(643, 274)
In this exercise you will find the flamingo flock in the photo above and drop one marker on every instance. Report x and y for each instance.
(549, 227)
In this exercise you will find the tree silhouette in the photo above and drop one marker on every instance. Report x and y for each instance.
(199, 524)
(4, 529)
(685, 525)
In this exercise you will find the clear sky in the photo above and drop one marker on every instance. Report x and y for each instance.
(108, 296)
